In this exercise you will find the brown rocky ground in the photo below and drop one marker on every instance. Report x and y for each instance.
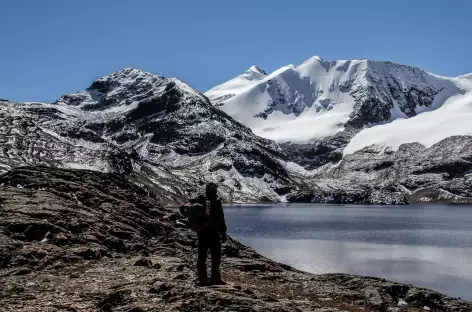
(74, 240)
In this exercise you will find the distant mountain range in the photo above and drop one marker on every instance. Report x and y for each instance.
(356, 131)
(344, 106)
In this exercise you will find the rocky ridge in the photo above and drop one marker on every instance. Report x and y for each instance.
(159, 129)
(412, 174)
(78, 240)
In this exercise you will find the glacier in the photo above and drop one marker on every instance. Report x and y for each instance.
(377, 100)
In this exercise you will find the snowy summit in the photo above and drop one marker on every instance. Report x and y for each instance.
(382, 102)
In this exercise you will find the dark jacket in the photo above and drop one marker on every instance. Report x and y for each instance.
(216, 219)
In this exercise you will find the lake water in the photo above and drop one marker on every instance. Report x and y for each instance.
(427, 246)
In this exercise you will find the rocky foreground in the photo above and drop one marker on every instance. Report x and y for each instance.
(75, 240)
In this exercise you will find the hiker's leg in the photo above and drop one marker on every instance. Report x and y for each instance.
(215, 250)
(202, 255)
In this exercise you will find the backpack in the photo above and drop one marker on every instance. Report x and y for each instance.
(198, 216)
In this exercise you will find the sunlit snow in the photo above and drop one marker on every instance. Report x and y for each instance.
(301, 104)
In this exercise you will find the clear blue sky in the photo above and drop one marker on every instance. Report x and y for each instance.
(52, 47)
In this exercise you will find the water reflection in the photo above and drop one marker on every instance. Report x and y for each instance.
(424, 246)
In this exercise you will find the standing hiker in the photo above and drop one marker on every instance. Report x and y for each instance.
(205, 216)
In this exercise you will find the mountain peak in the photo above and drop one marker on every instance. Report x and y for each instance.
(257, 69)
(120, 87)
(314, 58)
(121, 77)
(130, 70)
(129, 87)
(253, 73)
(318, 99)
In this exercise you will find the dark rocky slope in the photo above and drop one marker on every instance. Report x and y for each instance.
(135, 123)
(412, 174)
(76, 240)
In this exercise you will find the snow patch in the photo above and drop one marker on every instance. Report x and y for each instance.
(452, 118)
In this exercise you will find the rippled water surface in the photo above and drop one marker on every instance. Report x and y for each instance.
(428, 246)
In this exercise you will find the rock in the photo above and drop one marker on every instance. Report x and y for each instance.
(71, 258)
(268, 298)
(118, 297)
(137, 309)
(57, 265)
(172, 217)
(13, 289)
(60, 239)
(402, 302)
(257, 266)
(414, 295)
(159, 287)
(22, 271)
(373, 297)
(182, 277)
(89, 253)
(143, 262)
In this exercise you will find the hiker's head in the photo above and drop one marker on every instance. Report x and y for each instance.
(211, 191)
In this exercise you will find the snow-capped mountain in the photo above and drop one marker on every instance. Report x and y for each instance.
(158, 129)
(161, 133)
(318, 108)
